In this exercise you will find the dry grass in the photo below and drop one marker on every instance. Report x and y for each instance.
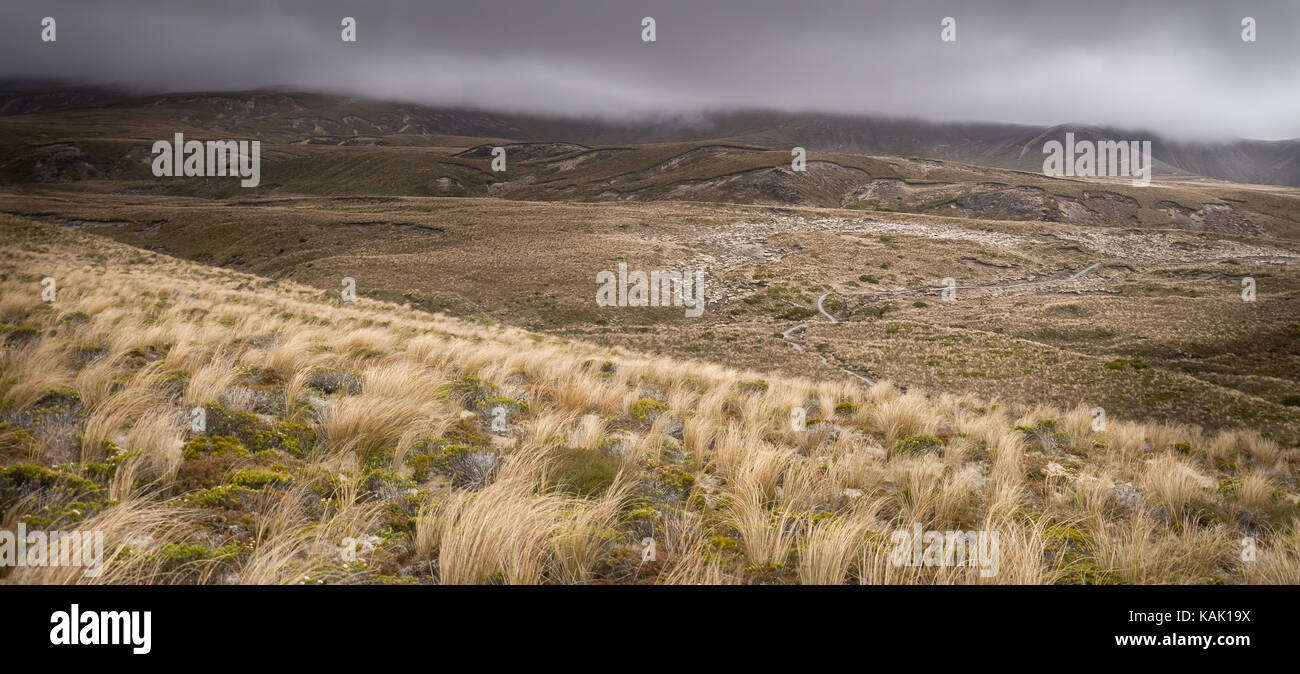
(362, 422)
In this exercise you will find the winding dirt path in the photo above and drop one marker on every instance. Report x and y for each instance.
(916, 291)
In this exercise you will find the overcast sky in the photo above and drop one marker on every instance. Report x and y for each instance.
(1174, 66)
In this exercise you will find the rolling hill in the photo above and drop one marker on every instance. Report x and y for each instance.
(296, 117)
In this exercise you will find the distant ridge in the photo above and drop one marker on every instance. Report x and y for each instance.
(299, 117)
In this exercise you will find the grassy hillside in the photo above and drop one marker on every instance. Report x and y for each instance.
(1020, 329)
(449, 451)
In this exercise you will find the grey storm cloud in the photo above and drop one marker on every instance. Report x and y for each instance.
(1177, 67)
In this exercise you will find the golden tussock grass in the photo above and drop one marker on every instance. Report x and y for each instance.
(362, 421)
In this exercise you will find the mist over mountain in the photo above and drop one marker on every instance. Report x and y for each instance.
(309, 117)
(1178, 67)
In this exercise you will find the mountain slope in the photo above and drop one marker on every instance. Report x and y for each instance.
(293, 117)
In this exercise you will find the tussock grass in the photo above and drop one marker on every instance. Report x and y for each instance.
(363, 421)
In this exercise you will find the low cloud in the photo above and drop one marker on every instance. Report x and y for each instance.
(1175, 67)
